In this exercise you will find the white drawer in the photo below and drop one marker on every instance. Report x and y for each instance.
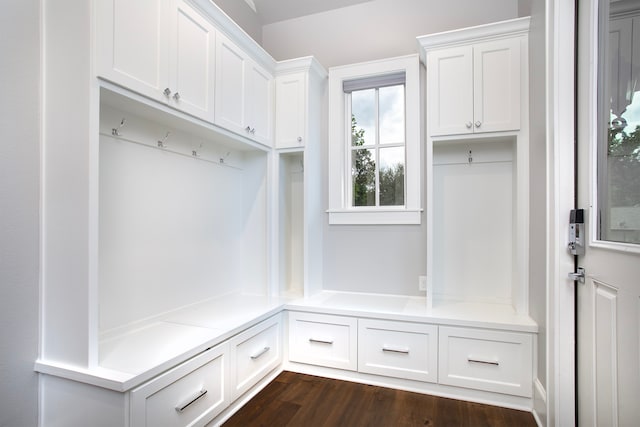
(255, 352)
(495, 361)
(324, 340)
(191, 394)
(398, 349)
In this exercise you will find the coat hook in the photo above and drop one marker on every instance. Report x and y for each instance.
(194, 153)
(224, 158)
(116, 131)
(470, 159)
(161, 143)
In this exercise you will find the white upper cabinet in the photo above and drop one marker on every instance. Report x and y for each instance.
(291, 95)
(474, 88)
(244, 94)
(163, 50)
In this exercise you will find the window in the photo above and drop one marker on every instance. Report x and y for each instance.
(374, 148)
(377, 132)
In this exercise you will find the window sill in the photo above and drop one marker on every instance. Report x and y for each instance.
(375, 217)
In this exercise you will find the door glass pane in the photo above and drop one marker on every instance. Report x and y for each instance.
(392, 176)
(391, 114)
(363, 117)
(619, 147)
(363, 177)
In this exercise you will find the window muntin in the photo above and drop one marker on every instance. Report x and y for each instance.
(377, 152)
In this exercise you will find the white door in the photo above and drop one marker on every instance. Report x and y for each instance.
(259, 103)
(230, 96)
(609, 188)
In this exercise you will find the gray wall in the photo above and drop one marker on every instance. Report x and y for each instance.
(243, 15)
(537, 163)
(380, 259)
(19, 211)
(377, 29)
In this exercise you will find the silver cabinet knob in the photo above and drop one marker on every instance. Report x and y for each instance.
(468, 125)
(167, 92)
(478, 123)
(299, 139)
(248, 129)
(176, 96)
(253, 131)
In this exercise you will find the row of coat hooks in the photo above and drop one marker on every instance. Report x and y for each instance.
(162, 143)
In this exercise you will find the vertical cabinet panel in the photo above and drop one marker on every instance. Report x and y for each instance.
(131, 44)
(258, 103)
(497, 85)
(290, 110)
(230, 85)
(192, 68)
(450, 91)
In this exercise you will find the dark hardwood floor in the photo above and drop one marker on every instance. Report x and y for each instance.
(303, 400)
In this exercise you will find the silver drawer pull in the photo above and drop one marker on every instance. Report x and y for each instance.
(320, 341)
(180, 408)
(263, 351)
(395, 350)
(484, 362)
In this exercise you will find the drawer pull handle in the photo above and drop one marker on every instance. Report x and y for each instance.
(395, 350)
(321, 341)
(180, 408)
(263, 351)
(484, 362)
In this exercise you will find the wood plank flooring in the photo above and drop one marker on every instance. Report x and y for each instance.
(303, 400)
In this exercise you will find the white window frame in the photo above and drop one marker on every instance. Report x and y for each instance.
(340, 209)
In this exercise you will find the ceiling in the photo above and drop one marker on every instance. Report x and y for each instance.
(270, 11)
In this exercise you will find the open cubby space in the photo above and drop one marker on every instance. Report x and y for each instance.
(182, 224)
(474, 222)
(291, 224)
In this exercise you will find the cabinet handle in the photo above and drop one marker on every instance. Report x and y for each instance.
(253, 131)
(484, 362)
(176, 96)
(321, 341)
(395, 350)
(478, 123)
(260, 353)
(468, 125)
(181, 407)
(167, 92)
(248, 128)
(299, 139)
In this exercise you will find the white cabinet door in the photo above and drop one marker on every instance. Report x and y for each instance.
(230, 95)
(324, 340)
(131, 44)
(192, 63)
(450, 91)
(474, 88)
(291, 111)
(243, 94)
(398, 349)
(255, 353)
(496, 85)
(190, 394)
(259, 103)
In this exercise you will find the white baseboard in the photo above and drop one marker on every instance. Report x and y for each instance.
(539, 403)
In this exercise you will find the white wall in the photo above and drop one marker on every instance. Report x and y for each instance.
(376, 29)
(19, 211)
(381, 259)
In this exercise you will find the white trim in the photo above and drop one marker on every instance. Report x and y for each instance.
(539, 403)
(559, 26)
(503, 29)
(372, 217)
